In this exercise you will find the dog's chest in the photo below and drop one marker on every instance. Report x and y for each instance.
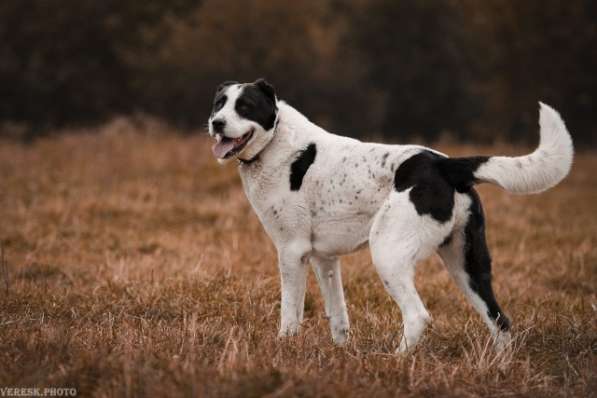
(262, 185)
(281, 211)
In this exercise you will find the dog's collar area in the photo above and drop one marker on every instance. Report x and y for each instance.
(256, 157)
(249, 161)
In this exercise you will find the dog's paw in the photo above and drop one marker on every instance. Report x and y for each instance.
(502, 341)
(340, 335)
(408, 345)
(404, 348)
(290, 330)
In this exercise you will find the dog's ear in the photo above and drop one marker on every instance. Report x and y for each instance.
(266, 88)
(225, 84)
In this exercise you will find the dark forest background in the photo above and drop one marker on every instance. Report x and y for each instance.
(467, 69)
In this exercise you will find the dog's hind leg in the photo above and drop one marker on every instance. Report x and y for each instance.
(328, 273)
(467, 258)
(399, 238)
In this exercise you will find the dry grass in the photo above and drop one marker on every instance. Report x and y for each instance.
(135, 267)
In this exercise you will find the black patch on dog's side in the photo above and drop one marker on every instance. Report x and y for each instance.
(258, 103)
(460, 171)
(431, 193)
(478, 261)
(299, 167)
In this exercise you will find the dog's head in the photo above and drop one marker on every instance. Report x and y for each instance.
(243, 119)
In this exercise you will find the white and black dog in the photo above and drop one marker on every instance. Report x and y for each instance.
(320, 195)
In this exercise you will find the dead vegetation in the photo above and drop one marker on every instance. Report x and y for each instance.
(135, 267)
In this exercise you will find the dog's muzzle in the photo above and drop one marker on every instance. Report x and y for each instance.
(226, 147)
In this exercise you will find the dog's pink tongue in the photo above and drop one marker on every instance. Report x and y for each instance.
(222, 148)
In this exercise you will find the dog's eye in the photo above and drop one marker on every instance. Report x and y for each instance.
(243, 106)
(220, 103)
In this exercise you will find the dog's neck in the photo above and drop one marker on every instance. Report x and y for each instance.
(290, 135)
(257, 152)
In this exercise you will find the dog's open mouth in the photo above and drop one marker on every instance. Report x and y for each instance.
(227, 147)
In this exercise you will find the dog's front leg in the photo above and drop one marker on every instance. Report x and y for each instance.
(327, 271)
(293, 271)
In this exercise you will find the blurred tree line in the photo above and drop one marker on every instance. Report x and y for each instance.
(392, 68)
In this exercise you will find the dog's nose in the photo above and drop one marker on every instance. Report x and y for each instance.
(218, 125)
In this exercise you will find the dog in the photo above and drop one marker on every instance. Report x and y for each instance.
(320, 196)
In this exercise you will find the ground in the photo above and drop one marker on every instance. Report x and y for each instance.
(134, 266)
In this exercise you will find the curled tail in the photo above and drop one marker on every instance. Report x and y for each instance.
(533, 173)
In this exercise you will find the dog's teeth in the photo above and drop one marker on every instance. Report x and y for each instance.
(218, 138)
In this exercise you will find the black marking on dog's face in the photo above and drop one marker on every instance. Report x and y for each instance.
(299, 167)
(257, 102)
(431, 194)
(219, 102)
(220, 98)
(478, 262)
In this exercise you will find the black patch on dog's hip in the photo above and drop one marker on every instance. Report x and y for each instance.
(430, 194)
(434, 178)
(459, 172)
(299, 167)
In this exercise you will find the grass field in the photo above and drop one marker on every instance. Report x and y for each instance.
(135, 267)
